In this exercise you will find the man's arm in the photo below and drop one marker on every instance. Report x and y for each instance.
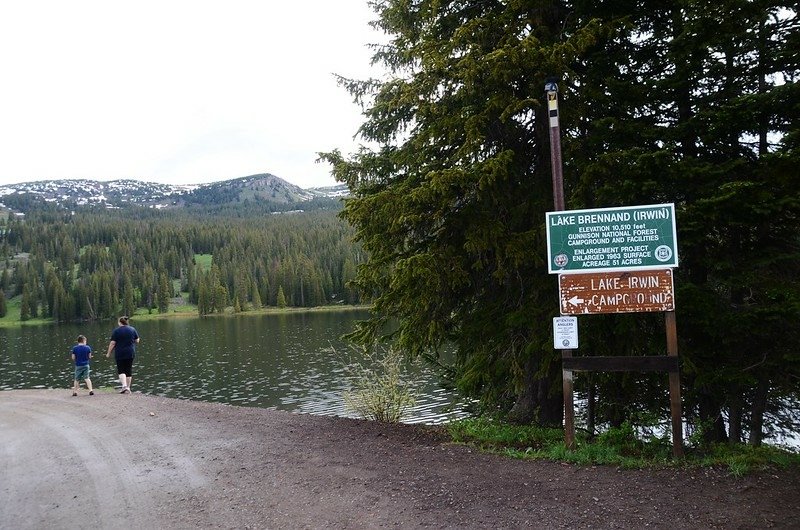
(111, 347)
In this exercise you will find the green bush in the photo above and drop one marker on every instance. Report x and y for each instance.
(379, 391)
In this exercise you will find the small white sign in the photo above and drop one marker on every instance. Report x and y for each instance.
(565, 333)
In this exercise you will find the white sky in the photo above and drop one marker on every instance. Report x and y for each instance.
(178, 91)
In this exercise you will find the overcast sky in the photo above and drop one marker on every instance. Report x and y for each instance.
(178, 91)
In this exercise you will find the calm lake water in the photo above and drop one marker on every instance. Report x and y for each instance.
(293, 362)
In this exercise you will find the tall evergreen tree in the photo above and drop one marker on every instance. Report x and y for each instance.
(255, 296)
(220, 298)
(281, 298)
(128, 299)
(450, 207)
(686, 102)
(25, 304)
(204, 299)
(163, 294)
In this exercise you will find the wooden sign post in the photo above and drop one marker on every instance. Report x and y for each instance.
(613, 269)
(611, 260)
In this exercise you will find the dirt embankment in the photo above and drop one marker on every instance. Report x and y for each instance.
(127, 461)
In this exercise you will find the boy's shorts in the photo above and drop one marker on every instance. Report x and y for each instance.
(81, 372)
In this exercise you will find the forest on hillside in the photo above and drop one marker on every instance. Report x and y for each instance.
(94, 263)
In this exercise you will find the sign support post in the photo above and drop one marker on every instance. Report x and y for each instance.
(674, 386)
(551, 90)
(622, 260)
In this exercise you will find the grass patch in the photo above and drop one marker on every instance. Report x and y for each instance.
(203, 261)
(742, 459)
(617, 447)
(13, 312)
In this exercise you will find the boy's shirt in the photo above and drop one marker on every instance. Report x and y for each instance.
(81, 353)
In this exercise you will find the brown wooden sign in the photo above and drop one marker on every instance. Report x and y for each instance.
(617, 292)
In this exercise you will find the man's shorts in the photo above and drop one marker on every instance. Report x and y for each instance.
(81, 372)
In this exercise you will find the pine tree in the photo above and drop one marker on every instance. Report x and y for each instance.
(281, 298)
(163, 294)
(348, 275)
(255, 296)
(33, 298)
(449, 208)
(204, 299)
(25, 304)
(220, 298)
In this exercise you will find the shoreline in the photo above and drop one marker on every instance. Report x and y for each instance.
(193, 314)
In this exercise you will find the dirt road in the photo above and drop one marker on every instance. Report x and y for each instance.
(138, 461)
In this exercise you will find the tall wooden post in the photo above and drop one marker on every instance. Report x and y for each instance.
(551, 90)
(674, 386)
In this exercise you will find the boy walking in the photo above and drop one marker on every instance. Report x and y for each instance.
(81, 354)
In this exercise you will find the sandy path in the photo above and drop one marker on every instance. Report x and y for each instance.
(137, 461)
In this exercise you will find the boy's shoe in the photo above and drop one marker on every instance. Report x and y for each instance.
(124, 390)
(74, 394)
(91, 392)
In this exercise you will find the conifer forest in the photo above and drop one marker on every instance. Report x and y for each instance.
(96, 264)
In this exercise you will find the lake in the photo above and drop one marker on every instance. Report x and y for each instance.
(287, 361)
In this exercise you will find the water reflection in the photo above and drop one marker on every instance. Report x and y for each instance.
(289, 361)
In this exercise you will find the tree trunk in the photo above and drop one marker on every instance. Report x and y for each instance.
(735, 422)
(524, 409)
(534, 402)
(616, 414)
(551, 404)
(711, 415)
(757, 412)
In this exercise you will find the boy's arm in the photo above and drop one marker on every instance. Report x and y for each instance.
(72, 356)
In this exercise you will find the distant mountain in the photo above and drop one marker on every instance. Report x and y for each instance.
(265, 190)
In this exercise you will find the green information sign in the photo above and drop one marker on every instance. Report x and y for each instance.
(612, 239)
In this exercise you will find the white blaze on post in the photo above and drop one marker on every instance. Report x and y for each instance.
(552, 108)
